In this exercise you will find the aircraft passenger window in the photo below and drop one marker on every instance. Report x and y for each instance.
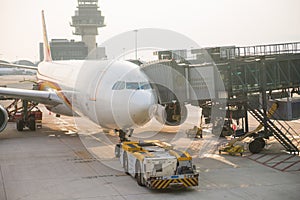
(120, 85)
(145, 86)
(132, 85)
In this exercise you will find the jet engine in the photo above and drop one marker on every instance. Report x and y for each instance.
(3, 118)
(171, 114)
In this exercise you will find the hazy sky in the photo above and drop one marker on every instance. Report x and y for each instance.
(209, 22)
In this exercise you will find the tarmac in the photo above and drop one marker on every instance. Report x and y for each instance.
(70, 158)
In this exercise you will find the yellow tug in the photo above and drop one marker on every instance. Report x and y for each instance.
(157, 165)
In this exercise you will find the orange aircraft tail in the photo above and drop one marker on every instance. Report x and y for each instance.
(47, 51)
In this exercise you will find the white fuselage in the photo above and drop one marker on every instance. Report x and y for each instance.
(114, 95)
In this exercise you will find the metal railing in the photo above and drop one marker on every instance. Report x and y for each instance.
(265, 50)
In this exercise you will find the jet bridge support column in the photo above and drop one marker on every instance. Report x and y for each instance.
(263, 89)
(246, 119)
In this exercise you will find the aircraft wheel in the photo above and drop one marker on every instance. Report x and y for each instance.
(20, 125)
(32, 125)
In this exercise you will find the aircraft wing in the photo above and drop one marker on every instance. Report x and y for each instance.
(9, 65)
(44, 97)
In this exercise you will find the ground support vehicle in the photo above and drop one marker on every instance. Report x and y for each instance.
(25, 114)
(157, 165)
(33, 120)
(256, 145)
(232, 149)
(195, 132)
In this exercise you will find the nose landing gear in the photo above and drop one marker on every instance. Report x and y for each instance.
(123, 138)
(123, 134)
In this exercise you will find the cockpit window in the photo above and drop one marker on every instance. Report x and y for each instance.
(145, 86)
(120, 85)
(132, 85)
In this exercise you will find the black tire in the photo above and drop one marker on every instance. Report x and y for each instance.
(20, 125)
(262, 142)
(31, 124)
(139, 174)
(117, 151)
(255, 146)
(125, 163)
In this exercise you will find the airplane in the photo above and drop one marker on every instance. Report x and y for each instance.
(7, 71)
(14, 71)
(113, 94)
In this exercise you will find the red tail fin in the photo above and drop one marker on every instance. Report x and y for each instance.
(47, 51)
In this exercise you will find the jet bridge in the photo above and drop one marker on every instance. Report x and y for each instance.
(240, 76)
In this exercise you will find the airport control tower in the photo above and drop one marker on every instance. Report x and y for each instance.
(86, 21)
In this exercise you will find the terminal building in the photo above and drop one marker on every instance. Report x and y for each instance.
(63, 49)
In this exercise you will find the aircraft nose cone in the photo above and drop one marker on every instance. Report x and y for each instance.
(141, 105)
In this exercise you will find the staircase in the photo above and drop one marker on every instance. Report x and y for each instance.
(283, 132)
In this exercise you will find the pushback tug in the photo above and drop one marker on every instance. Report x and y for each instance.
(157, 165)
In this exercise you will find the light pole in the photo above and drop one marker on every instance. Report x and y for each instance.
(136, 31)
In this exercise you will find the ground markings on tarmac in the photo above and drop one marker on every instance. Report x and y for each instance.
(281, 162)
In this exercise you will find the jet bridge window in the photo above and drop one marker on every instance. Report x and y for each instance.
(120, 85)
